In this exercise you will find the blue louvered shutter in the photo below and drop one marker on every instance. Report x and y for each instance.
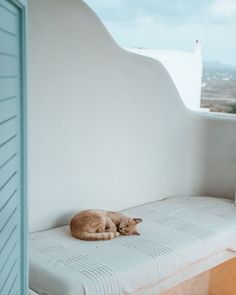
(12, 174)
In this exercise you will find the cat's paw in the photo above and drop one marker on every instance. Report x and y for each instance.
(117, 234)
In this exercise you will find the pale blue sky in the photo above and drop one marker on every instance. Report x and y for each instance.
(172, 24)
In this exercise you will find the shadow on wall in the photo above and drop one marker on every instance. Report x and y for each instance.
(220, 164)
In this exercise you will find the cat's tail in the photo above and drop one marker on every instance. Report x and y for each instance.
(95, 236)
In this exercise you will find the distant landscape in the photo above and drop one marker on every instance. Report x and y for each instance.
(219, 87)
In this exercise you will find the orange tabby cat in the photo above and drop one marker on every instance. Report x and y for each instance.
(94, 225)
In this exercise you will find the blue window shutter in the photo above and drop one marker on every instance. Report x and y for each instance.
(13, 233)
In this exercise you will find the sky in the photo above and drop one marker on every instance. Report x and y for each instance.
(172, 24)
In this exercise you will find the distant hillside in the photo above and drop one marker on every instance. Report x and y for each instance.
(217, 65)
(218, 86)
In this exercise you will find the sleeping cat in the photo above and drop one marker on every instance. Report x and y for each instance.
(94, 225)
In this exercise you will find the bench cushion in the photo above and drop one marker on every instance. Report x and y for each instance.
(177, 234)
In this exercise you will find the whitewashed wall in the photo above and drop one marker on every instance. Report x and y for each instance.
(185, 69)
(107, 128)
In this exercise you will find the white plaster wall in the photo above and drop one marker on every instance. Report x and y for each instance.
(185, 70)
(106, 127)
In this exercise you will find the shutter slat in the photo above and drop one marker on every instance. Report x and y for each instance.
(6, 5)
(9, 209)
(13, 255)
(8, 160)
(7, 170)
(11, 261)
(7, 150)
(14, 288)
(9, 66)
(8, 189)
(11, 276)
(8, 127)
(8, 109)
(8, 229)
(10, 238)
(8, 21)
(8, 44)
(8, 89)
(11, 243)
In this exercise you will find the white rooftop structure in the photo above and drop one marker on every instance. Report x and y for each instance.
(185, 69)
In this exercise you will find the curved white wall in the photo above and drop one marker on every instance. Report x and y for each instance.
(107, 128)
(185, 70)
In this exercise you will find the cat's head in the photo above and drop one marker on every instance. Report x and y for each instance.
(127, 226)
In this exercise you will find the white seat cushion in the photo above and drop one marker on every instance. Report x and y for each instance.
(176, 234)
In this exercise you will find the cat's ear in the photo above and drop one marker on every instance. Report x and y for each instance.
(136, 233)
(137, 220)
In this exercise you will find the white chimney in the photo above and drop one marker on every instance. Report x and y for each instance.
(198, 47)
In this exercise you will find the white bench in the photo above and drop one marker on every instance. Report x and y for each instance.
(180, 238)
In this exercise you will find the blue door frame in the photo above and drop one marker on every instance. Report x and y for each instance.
(13, 204)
